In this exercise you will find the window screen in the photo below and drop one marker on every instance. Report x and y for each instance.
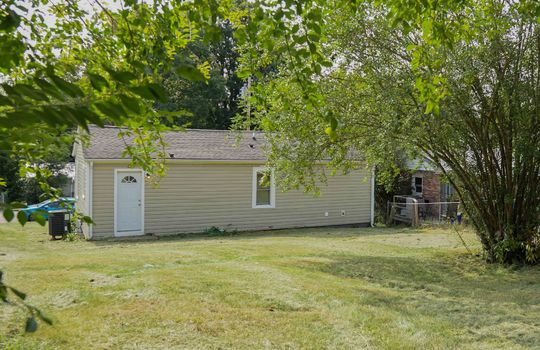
(263, 189)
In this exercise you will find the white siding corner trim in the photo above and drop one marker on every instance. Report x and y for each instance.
(372, 183)
(115, 179)
(254, 189)
(89, 190)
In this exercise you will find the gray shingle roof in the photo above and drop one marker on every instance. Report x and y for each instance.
(189, 144)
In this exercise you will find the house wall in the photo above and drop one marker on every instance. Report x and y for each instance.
(431, 185)
(81, 178)
(193, 197)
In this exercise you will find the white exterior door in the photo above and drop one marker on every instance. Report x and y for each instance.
(129, 210)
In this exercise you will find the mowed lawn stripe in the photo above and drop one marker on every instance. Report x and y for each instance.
(324, 288)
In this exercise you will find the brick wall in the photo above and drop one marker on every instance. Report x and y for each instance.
(431, 185)
(431, 192)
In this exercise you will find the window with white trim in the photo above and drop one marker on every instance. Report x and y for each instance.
(264, 188)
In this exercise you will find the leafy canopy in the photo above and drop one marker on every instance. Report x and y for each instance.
(456, 82)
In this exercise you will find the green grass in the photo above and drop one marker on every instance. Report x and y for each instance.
(328, 288)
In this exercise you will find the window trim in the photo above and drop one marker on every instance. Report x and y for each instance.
(272, 204)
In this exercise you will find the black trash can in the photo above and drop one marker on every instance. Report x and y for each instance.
(58, 225)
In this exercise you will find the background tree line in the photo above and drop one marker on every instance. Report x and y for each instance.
(210, 104)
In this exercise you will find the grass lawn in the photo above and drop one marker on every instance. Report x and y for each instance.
(328, 288)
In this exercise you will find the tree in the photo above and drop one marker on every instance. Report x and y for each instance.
(214, 103)
(9, 172)
(456, 82)
(64, 67)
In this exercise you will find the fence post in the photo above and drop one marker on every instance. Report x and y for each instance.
(416, 218)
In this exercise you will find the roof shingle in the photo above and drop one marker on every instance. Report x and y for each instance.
(190, 144)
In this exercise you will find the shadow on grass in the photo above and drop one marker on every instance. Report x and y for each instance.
(483, 301)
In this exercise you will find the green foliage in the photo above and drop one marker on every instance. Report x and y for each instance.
(215, 231)
(110, 72)
(385, 190)
(209, 101)
(452, 81)
(71, 237)
(63, 67)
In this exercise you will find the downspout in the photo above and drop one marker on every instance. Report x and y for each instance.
(372, 221)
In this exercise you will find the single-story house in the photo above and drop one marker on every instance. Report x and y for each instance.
(212, 181)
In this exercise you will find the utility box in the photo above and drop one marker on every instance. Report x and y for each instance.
(58, 223)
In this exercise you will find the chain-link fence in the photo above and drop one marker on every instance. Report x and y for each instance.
(414, 211)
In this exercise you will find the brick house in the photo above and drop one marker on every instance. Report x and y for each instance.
(427, 185)
(428, 198)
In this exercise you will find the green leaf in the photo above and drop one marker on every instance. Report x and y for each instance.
(300, 39)
(67, 87)
(21, 216)
(29, 91)
(121, 76)
(131, 103)
(243, 73)
(331, 133)
(90, 116)
(9, 21)
(316, 28)
(4, 101)
(48, 88)
(142, 91)
(326, 63)
(8, 214)
(18, 205)
(31, 325)
(87, 220)
(19, 118)
(110, 109)
(158, 92)
(333, 123)
(39, 217)
(97, 81)
(18, 293)
(190, 73)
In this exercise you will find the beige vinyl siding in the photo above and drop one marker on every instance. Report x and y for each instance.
(81, 182)
(193, 197)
